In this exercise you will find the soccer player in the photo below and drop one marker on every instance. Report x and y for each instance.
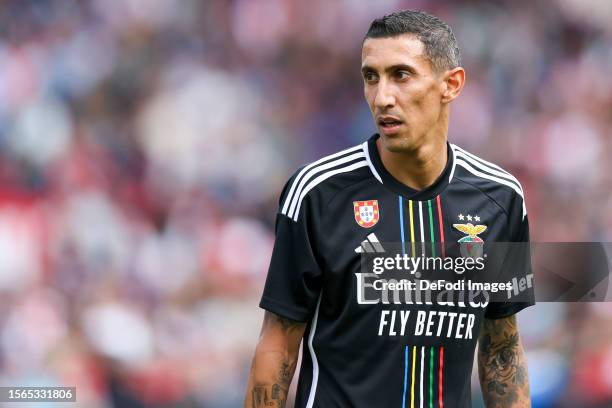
(364, 346)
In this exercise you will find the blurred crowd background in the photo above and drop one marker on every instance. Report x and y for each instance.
(144, 144)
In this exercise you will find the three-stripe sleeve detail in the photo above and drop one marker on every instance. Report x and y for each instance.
(317, 172)
(487, 170)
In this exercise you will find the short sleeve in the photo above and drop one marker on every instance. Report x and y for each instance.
(294, 277)
(516, 268)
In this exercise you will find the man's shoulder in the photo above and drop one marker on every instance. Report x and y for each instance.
(491, 179)
(324, 177)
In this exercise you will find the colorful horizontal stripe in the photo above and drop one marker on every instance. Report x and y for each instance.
(430, 213)
(441, 223)
(431, 230)
(405, 375)
(413, 253)
(421, 375)
(421, 228)
(422, 367)
(441, 372)
(412, 387)
(401, 219)
(431, 368)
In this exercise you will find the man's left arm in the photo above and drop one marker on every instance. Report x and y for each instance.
(502, 366)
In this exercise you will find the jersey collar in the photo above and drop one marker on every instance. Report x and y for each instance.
(398, 187)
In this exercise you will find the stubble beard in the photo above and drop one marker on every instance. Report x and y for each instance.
(401, 143)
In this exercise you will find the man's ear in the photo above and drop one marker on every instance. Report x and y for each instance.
(454, 80)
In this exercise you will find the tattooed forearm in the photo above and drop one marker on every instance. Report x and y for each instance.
(274, 395)
(502, 367)
(274, 362)
(269, 396)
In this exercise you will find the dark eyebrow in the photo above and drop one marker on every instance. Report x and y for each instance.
(402, 67)
(397, 67)
(365, 69)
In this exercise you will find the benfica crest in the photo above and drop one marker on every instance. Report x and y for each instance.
(471, 245)
(366, 213)
(472, 232)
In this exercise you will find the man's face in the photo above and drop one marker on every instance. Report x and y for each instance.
(402, 90)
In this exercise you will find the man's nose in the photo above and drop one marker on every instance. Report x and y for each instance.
(385, 96)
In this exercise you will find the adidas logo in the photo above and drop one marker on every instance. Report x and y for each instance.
(370, 244)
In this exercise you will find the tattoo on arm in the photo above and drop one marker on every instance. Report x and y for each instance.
(273, 393)
(285, 323)
(269, 396)
(502, 367)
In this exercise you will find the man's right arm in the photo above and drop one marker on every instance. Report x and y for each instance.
(274, 362)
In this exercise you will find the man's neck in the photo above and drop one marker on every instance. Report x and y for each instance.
(417, 169)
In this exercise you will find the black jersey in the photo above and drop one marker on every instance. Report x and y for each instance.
(366, 347)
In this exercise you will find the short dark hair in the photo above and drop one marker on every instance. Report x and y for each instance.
(440, 43)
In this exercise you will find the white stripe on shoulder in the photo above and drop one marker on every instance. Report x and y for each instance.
(450, 178)
(480, 159)
(315, 170)
(505, 182)
(310, 166)
(486, 166)
(366, 150)
(321, 178)
(489, 170)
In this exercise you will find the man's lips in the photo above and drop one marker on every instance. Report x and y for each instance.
(388, 121)
(389, 125)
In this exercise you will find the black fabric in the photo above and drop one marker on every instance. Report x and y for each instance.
(517, 267)
(361, 343)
